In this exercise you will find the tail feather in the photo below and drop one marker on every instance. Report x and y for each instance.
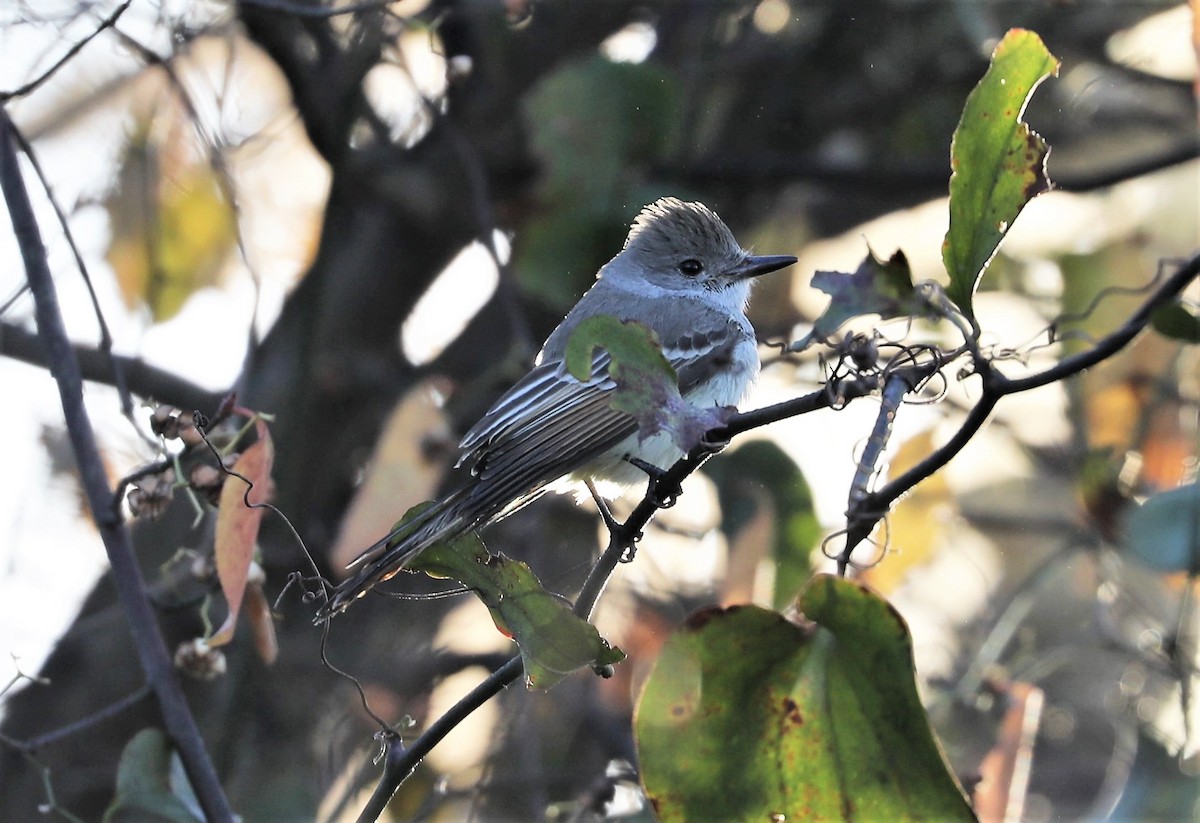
(483, 501)
(388, 556)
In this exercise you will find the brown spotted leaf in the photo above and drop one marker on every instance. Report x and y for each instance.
(748, 716)
(998, 163)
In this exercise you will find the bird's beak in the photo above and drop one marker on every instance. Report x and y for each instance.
(754, 266)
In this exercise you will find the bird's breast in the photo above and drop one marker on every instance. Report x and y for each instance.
(731, 378)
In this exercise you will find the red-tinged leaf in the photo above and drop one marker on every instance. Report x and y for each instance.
(262, 623)
(238, 520)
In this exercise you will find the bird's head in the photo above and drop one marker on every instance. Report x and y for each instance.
(683, 247)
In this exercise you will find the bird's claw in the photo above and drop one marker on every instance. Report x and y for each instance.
(711, 447)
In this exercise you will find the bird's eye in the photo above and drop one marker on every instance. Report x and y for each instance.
(691, 267)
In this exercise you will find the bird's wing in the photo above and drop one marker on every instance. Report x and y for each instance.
(544, 427)
(547, 418)
(697, 355)
(550, 423)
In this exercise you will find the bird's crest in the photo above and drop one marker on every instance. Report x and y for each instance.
(669, 225)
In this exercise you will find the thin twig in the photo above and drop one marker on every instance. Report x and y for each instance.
(862, 518)
(315, 11)
(71, 729)
(106, 340)
(127, 576)
(106, 23)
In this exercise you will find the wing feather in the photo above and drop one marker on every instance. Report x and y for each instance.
(549, 423)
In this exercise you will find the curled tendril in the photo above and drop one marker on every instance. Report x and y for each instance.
(843, 555)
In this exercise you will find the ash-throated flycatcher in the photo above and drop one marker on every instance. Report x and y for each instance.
(683, 275)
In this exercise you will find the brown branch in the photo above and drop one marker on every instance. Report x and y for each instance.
(863, 516)
(96, 366)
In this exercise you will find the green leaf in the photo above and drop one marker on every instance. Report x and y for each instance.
(553, 640)
(144, 785)
(1176, 321)
(998, 163)
(758, 476)
(882, 287)
(647, 388)
(747, 716)
(631, 346)
(1164, 532)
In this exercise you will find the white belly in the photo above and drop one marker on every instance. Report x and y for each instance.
(613, 474)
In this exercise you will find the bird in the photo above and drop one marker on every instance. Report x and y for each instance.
(682, 275)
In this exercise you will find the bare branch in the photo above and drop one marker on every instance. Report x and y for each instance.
(62, 733)
(863, 516)
(96, 366)
(127, 576)
(106, 23)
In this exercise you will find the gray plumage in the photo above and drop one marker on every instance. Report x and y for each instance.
(682, 274)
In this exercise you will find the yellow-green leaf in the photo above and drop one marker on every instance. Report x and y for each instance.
(553, 640)
(998, 163)
(748, 716)
(172, 227)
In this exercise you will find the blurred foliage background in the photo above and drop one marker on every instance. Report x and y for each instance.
(366, 223)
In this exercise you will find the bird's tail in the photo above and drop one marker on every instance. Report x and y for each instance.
(443, 520)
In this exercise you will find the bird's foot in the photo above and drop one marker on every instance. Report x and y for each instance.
(711, 447)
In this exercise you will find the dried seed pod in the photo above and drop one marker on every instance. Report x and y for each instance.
(204, 477)
(151, 495)
(188, 432)
(164, 421)
(197, 659)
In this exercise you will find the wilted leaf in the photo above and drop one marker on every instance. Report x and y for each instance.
(882, 287)
(1174, 320)
(553, 641)
(262, 623)
(1164, 532)
(998, 163)
(748, 716)
(646, 386)
(144, 783)
(238, 524)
